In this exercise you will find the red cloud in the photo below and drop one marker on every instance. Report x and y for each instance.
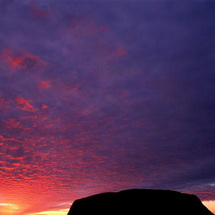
(2, 138)
(22, 61)
(12, 123)
(3, 105)
(38, 13)
(44, 107)
(82, 28)
(24, 104)
(45, 84)
(120, 52)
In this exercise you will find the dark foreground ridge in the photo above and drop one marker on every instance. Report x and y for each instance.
(139, 202)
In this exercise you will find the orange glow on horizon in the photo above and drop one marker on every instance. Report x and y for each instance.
(210, 205)
(7, 209)
(11, 209)
(57, 212)
(24, 208)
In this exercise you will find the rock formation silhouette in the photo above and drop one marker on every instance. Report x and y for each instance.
(139, 202)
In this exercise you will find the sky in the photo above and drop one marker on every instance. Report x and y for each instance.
(100, 96)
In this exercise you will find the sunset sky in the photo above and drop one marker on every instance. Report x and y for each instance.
(100, 96)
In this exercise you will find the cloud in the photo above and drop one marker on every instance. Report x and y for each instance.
(21, 61)
(45, 107)
(6, 139)
(12, 124)
(37, 12)
(6, 208)
(24, 104)
(44, 84)
(105, 98)
(3, 104)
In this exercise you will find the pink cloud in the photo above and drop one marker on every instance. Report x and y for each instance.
(12, 123)
(2, 138)
(3, 105)
(22, 61)
(83, 28)
(37, 12)
(45, 84)
(44, 107)
(24, 104)
(121, 51)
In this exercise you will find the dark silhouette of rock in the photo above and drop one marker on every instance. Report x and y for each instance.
(139, 202)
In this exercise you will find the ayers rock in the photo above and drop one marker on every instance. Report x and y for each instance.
(139, 202)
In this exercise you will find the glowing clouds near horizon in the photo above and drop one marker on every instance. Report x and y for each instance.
(8, 209)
